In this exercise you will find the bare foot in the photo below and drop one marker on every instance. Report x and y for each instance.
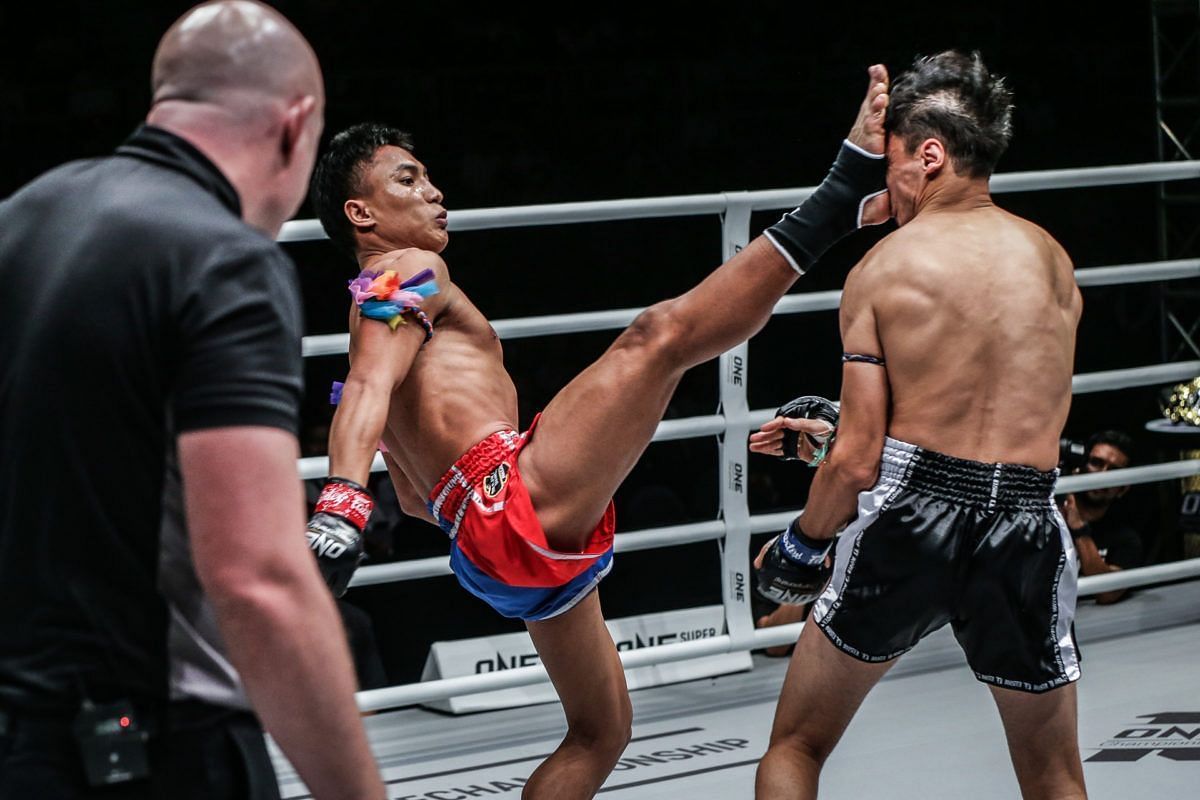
(783, 615)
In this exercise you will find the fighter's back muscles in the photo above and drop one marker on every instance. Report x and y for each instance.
(984, 374)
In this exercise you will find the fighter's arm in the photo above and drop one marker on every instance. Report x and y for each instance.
(852, 464)
(411, 501)
(380, 359)
(383, 345)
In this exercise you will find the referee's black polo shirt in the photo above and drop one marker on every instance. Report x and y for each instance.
(134, 305)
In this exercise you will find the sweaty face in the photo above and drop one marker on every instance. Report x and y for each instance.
(404, 205)
(905, 178)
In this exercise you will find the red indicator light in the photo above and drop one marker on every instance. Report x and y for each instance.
(124, 722)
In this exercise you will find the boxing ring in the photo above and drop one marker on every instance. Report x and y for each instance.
(928, 721)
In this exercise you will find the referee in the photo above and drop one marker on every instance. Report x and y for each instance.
(160, 598)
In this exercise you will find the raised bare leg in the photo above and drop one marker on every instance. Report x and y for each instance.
(823, 689)
(580, 656)
(1043, 740)
(594, 431)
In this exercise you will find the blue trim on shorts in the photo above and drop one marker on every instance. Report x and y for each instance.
(524, 602)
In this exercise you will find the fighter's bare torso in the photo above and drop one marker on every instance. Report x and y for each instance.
(456, 392)
(975, 310)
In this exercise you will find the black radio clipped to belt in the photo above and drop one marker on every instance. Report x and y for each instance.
(112, 743)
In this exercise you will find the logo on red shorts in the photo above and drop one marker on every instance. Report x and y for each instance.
(495, 481)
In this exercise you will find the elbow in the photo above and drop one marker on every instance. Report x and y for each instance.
(361, 383)
(412, 507)
(251, 612)
(864, 476)
(269, 595)
(857, 474)
(855, 458)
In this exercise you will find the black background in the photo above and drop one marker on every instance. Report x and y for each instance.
(551, 103)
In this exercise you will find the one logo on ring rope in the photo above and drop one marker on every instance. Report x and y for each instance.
(1174, 735)
(495, 480)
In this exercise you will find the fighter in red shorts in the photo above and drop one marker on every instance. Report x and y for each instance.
(530, 514)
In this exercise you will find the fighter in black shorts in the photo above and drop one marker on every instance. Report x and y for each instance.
(960, 330)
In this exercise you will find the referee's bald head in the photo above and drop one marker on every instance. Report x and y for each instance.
(221, 52)
(241, 83)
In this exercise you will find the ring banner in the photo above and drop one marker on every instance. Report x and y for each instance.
(513, 650)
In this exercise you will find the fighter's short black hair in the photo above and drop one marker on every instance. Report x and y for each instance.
(339, 174)
(953, 97)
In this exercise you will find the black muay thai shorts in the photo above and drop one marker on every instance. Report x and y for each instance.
(946, 540)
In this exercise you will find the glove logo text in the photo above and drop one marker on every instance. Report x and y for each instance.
(324, 545)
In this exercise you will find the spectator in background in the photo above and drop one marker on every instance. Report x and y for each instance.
(1106, 543)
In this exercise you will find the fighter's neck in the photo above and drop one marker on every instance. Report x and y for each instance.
(367, 259)
(961, 195)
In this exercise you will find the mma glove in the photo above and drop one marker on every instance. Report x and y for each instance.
(335, 531)
(794, 567)
(833, 210)
(808, 407)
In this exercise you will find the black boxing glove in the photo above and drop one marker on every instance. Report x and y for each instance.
(833, 210)
(335, 531)
(808, 407)
(793, 570)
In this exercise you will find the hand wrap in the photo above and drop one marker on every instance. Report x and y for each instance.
(833, 210)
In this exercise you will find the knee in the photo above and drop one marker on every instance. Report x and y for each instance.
(657, 331)
(794, 746)
(605, 736)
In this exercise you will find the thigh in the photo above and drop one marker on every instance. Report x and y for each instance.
(591, 435)
(822, 691)
(581, 659)
(1043, 740)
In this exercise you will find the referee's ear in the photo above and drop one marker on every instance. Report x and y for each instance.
(297, 119)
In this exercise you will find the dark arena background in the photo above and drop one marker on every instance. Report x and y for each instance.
(516, 104)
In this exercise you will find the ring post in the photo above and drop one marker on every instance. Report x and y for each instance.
(735, 508)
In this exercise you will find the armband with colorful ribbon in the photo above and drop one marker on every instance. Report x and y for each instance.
(384, 297)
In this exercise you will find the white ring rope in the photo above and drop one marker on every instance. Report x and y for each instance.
(673, 535)
(734, 208)
(396, 696)
(303, 230)
(713, 424)
(617, 319)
